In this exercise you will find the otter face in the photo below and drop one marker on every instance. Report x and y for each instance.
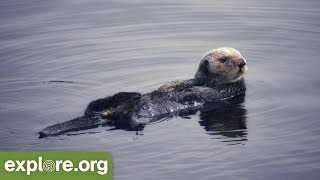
(226, 62)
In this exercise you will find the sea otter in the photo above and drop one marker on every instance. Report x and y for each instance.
(219, 79)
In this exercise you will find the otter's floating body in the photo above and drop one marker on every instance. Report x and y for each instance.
(218, 80)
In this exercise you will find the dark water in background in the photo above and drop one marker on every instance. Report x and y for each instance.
(99, 48)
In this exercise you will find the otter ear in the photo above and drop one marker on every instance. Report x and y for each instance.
(206, 63)
(202, 69)
(204, 66)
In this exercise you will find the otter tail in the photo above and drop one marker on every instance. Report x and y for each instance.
(80, 123)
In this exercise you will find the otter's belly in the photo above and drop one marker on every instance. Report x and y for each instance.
(157, 110)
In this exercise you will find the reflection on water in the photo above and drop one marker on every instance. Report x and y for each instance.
(229, 122)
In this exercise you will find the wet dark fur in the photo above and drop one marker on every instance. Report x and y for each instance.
(132, 110)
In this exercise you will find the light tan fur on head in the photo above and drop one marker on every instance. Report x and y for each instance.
(225, 63)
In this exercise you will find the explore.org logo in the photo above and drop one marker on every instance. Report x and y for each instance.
(100, 166)
(80, 165)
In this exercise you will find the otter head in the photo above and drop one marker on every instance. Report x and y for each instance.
(222, 65)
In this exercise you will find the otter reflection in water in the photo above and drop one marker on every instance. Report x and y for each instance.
(218, 80)
(227, 123)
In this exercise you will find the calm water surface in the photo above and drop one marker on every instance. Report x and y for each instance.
(57, 56)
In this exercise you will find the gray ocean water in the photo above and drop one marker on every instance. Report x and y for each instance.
(57, 56)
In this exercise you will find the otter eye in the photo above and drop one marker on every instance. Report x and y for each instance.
(223, 59)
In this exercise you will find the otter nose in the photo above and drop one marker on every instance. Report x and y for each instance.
(242, 63)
